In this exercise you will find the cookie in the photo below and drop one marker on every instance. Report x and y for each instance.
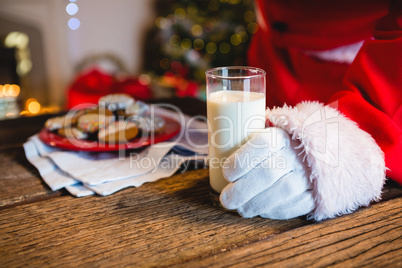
(72, 132)
(91, 110)
(115, 102)
(55, 123)
(92, 122)
(149, 124)
(118, 132)
(137, 108)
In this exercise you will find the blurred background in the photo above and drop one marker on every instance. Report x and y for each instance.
(56, 54)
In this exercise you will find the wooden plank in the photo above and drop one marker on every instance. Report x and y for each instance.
(161, 223)
(371, 237)
(172, 221)
(20, 182)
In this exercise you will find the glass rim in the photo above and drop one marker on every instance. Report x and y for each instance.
(260, 72)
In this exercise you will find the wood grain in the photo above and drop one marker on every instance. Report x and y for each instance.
(172, 222)
(371, 237)
(157, 224)
(20, 182)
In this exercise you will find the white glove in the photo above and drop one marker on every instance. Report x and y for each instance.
(268, 178)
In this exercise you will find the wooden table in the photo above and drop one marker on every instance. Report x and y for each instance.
(172, 222)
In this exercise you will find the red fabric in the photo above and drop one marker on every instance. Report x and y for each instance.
(369, 91)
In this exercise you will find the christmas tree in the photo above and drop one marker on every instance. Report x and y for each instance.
(193, 36)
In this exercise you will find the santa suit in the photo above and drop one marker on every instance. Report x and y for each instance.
(309, 51)
(347, 55)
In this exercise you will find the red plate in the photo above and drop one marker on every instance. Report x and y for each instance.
(172, 129)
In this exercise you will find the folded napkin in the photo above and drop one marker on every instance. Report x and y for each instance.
(103, 173)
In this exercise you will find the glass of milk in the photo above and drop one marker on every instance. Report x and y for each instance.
(235, 108)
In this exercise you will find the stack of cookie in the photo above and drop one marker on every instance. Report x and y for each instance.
(117, 118)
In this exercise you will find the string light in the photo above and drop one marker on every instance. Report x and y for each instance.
(186, 44)
(196, 30)
(74, 23)
(192, 8)
(235, 39)
(8, 90)
(161, 22)
(175, 40)
(224, 48)
(249, 16)
(244, 36)
(16, 39)
(180, 13)
(176, 66)
(252, 27)
(144, 79)
(198, 44)
(72, 9)
(20, 41)
(33, 106)
(164, 63)
(213, 5)
(211, 48)
(195, 36)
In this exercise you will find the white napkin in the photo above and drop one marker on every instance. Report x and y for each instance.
(86, 173)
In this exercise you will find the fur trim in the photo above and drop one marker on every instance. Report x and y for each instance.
(343, 54)
(347, 166)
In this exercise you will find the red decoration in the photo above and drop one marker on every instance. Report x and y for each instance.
(182, 86)
(89, 86)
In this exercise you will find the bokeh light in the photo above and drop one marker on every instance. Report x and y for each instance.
(74, 23)
(224, 48)
(71, 9)
(244, 36)
(249, 16)
(176, 66)
(192, 8)
(196, 30)
(211, 48)
(175, 40)
(186, 44)
(235, 39)
(161, 22)
(33, 106)
(8, 90)
(180, 13)
(164, 63)
(213, 5)
(16, 39)
(198, 44)
(252, 27)
(144, 79)
(24, 66)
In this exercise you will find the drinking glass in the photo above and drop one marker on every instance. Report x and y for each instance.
(235, 108)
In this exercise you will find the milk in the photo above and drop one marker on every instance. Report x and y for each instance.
(232, 116)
